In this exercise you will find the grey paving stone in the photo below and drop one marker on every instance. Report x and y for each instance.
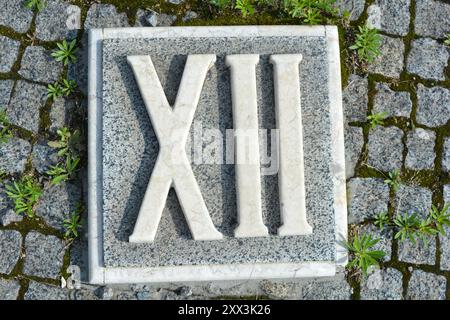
(428, 59)
(413, 199)
(176, 2)
(418, 252)
(445, 239)
(42, 291)
(189, 15)
(25, 103)
(13, 155)
(366, 198)
(43, 255)
(384, 235)
(382, 285)
(446, 155)
(390, 16)
(432, 18)
(61, 113)
(420, 144)
(394, 103)
(354, 7)
(166, 20)
(327, 290)
(280, 290)
(58, 20)
(354, 141)
(38, 65)
(6, 87)
(9, 49)
(8, 217)
(385, 148)
(57, 203)
(10, 244)
(15, 15)
(390, 62)
(355, 99)
(433, 106)
(77, 71)
(43, 157)
(9, 289)
(105, 16)
(146, 18)
(426, 286)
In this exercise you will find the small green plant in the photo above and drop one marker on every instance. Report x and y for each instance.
(54, 91)
(72, 225)
(394, 180)
(5, 132)
(363, 256)
(246, 7)
(447, 40)
(367, 43)
(65, 52)
(382, 220)
(63, 172)
(35, 4)
(25, 194)
(68, 87)
(310, 11)
(440, 218)
(377, 119)
(411, 227)
(67, 143)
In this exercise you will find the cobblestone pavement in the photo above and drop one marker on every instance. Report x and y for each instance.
(410, 81)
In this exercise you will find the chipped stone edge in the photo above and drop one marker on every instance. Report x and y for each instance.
(99, 274)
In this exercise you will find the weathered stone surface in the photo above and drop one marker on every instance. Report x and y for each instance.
(280, 290)
(384, 235)
(105, 16)
(413, 199)
(433, 105)
(428, 59)
(13, 155)
(432, 18)
(385, 148)
(9, 289)
(61, 113)
(58, 20)
(57, 203)
(394, 103)
(10, 244)
(23, 109)
(337, 289)
(355, 99)
(446, 155)
(176, 2)
(382, 285)
(354, 141)
(165, 20)
(9, 49)
(420, 144)
(39, 65)
(146, 18)
(9, 216)
(105, 293)
(42, 291)
(5, 92)
(390, 62)
(43, 255)
(366, 198)
(15, 15)
(43, 157)
(6, 87)
(445, 239)
(189, 15)
(391, 16)
(354, 7)
(419, 252)
(426, 286)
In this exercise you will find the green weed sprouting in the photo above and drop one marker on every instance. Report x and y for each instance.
(65, 52)
(54, 91)
(377, 119)
(72, 225)
(363, 256)
(394, 180)
(367, 43)
(246, 7)
(37, 5)
(447, 40)
(24, 193)
(382, 220)
(5, 131)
